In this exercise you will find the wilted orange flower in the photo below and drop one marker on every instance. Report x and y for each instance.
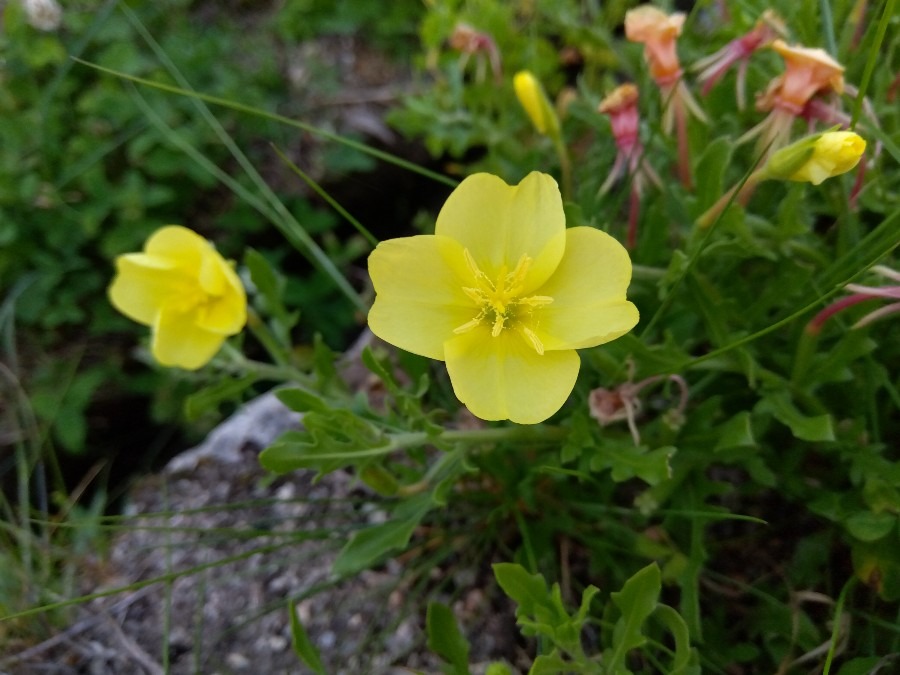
(658, 32)
(807, 72)
(621, 106)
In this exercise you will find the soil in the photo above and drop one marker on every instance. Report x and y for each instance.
(217, 551)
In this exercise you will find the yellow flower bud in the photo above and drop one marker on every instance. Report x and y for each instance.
(533, 99)
(815, 158)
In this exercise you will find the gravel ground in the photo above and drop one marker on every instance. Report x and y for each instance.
(216, 551)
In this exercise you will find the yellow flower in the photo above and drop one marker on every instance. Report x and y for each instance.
(815, 158)
(505, 294)
(185, 291)
(535, 102)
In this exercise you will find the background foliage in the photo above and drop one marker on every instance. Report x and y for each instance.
(759, 524)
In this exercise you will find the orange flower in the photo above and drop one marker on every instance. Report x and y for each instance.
(807, 72)
(658, 32)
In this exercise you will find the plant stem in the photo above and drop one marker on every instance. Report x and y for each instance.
(565, 166)
(476, 436)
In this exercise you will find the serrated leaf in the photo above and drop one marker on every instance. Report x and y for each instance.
(818, 428)
(209, 398)
(626, 461)
(528, 591)
(685, 659)
(636, 601)
(303, 646)
(735, 433)
(445, 638)
(550, 664)
(331, 439)
(370, 546)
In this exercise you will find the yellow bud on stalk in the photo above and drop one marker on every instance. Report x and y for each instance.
(815, 158)
(535, 102)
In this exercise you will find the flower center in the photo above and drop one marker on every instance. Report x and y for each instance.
(500, 303)
(189, 298)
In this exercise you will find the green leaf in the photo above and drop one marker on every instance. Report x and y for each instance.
(710, 170)
(529, 591)
(331, 439)
(878, 566)
(300, 400)
(736, 433)
(868, 665)
(636, 601)
(685, 660)
(868, 526)
(270, 285)
(303, 646)
(626, 461)
(370, 546)
(540, 610)
(209, 398)
(551, 664)
(380, 370)
(779, 404)
(379, 479)
(445, 638)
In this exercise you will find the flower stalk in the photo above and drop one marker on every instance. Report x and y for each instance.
(658, 32)
(621, 107)
(812, 160)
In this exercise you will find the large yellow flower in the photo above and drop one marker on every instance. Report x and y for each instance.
(185, 291)
(505, 294)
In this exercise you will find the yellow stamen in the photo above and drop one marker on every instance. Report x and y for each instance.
(500, 303)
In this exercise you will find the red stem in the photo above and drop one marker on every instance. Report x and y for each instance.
(814, 327)
(634, 211)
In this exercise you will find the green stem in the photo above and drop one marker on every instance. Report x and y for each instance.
(475, 436)
(235, 361)
(836, 623)
(647, 272)
(806, 347)
(279, 353)
(565, 166)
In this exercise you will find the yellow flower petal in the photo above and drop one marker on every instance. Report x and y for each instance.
(184, 247)
(226, 309)
(499, 223)
(143, 283)
(503, 377)
(588, 290)
(419, 299)
(178, 341)
(226, 315)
